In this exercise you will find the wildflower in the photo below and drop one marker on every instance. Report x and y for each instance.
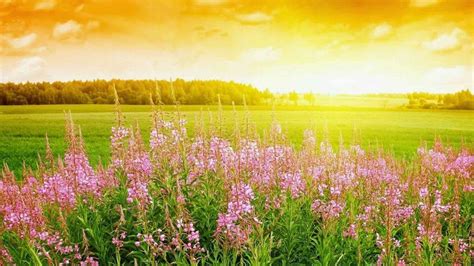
(118, 140)
(20, 208)
(117, 242)
(293, 183)
(431, 234)
(401, 262)
(138, 190)
(57, 189)
(5, 255)
(89, 261)
(423, 192)
(396, 243)
(463, 246)
(157, 140)
(329, 210)
(351, 231)
(179, 223)
(80, 172)
(236, 225)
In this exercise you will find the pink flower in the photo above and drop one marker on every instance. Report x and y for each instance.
(329, 210)
(89, 261)
(117, 242)
(293, 183)
(21, 208)
(423, 192)
(351, 231)
(401, 262)
(59, 190)
(235, 226)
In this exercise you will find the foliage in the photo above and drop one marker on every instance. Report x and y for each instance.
(460, 100)
(130, 92)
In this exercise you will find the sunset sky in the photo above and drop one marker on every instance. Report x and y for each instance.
(353, 46)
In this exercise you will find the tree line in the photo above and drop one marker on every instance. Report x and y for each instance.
(132, 92)
(463, 99)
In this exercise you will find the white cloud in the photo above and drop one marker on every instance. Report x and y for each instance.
(264, 54)
(254, 18)
(45, 5)
(382, 30)
(67, 30)
(447, 41)
(27, 69)
(423, 3)
(455, 75)
(23, 41)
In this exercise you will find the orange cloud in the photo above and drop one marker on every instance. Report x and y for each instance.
(254, 18)
(423, 3)
(211, 2)
(45, 5)
(22, 41)
(67, 30)
(382, 31)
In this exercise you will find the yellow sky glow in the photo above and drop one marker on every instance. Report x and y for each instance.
(339, 46)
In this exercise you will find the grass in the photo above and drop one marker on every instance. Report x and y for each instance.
(23, 128)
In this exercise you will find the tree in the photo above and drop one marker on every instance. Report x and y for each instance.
(130, 92)
(293, 96)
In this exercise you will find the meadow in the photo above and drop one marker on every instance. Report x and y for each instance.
(234, 192)
(375, 122)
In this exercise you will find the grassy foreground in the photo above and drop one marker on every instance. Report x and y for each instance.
(237, 200)
(23, 128)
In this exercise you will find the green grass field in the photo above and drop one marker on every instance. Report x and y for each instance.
(23, 128)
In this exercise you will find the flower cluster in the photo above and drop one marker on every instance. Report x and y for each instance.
(235, 226)
(293, 183)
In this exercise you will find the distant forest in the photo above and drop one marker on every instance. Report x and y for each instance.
(194, 92)
(460, 100)
(131, 92)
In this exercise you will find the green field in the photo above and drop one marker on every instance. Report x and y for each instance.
(23, 128)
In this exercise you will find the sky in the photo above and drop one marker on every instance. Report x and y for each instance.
(337, 46)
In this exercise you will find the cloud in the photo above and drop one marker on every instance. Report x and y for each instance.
(254, 18)
(45, 5)
(454, 75)
(264, 54)
(68, 30)
(28, 69)
(382, 31)
(18, 46)
(423, 3)
(23, 41)
(210, 2)
(209, 33)
(446, 42)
